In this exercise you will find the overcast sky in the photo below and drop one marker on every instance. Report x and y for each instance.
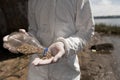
(105, 7)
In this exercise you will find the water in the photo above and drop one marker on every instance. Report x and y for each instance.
(108, 21)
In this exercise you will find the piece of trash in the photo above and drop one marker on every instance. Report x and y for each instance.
(27, 45)
(93, 50)
(102, 48)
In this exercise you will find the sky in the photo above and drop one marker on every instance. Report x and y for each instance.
(105, 7)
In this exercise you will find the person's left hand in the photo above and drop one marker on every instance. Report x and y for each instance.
(57, 49)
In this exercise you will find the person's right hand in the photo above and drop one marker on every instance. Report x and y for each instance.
(8, 46)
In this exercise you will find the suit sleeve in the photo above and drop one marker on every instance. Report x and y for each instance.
(84, 28)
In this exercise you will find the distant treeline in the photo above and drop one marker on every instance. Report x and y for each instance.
(103, 17)
(107, 29)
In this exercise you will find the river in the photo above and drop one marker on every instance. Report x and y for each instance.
(108, 21)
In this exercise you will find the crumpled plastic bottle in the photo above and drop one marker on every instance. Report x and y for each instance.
(27, 44)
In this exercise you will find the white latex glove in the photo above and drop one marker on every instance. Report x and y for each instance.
(57, 49)
(11, 41)
(38, 61)
(7, 45)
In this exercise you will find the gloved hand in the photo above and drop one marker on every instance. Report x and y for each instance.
(8, 46)
(57, 49)
(38, 61)
(17, 38)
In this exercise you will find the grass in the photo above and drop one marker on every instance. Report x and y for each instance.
(107, 29)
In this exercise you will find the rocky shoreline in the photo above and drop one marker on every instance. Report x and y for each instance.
(96, 65)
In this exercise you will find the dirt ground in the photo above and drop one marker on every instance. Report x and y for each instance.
(14, 69)
(97, 65)
(94, 65)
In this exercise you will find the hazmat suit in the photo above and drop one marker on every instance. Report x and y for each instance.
(67, 21)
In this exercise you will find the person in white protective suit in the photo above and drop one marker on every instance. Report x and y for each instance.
(64, 26)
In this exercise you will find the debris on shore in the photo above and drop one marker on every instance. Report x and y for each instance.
(103, 48)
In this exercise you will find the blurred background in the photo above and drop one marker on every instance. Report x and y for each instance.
(106, 11)
(13, 15)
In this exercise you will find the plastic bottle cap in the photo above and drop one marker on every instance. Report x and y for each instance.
(45, 51)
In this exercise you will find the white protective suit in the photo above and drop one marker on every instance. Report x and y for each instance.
(69, 21)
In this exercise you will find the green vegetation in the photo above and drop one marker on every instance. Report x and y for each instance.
(107, 29)
(104, 17)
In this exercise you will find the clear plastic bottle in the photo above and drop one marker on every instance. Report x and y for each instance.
(27, 44)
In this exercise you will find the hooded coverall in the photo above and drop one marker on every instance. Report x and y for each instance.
(68, 21)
